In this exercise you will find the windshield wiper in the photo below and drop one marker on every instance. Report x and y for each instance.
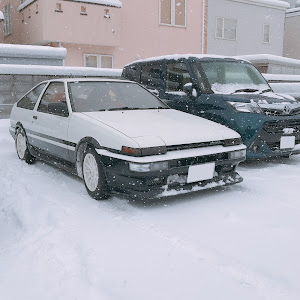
(245, 90)
(157, 107)
(265, 91)
(123, 108)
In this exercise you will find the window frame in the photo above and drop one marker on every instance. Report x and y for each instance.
(43, 93)
(173, 15)
(223, 29)
(98, 60)
(7, 26)
(269, 33)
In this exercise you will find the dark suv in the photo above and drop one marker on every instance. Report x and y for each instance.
(228, 91)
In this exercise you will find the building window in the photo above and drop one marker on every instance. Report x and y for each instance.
(266, 33)
(83, 10)
(58, 7)
(7, 20)
(172, 12)
(226, 29)
(98, 61)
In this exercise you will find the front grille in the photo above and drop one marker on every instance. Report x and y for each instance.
(198, 160)
(195, 145)
(279, 112)
(279, 126)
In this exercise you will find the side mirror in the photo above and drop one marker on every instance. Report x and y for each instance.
(189, 89)
(58, 108)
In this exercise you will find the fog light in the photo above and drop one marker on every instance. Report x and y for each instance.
(237, 154)
(157, 166)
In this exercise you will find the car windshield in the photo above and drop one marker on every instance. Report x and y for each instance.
(89, 96)
(228, 77)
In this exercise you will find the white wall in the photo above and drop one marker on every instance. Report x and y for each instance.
(249, 35)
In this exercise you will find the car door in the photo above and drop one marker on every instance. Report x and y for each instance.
(177, 75)
(25, 106)
(51, 130)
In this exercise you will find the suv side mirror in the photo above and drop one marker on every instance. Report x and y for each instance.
(58, 108)
(189, 89)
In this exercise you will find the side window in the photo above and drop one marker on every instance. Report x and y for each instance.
(29, 100)
(177, 76)
(54, 93)
(151, 76)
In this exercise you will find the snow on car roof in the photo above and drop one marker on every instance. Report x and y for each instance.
(186, 56)
(115, 3)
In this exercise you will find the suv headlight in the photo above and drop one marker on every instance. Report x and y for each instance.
(246, 107)
(156, 166)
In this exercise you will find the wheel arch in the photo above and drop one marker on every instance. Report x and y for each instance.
(83, 144)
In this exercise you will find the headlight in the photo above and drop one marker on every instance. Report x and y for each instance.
(232, 142)
(157, 166)
(237, 154)
(246, 107)
(144, 151)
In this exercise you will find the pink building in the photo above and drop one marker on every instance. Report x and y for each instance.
(107, 33)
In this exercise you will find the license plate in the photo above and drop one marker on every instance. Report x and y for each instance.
(287, 142)
(201, 172)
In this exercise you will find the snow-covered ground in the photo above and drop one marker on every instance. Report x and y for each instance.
(239, 242)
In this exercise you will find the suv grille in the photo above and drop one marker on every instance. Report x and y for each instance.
(278, 126)
(279, 112)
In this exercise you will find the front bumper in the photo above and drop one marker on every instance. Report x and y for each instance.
(262, 134)
(172, 181)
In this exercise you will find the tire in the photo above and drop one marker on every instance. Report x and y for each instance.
(21, 143)
(94, 176)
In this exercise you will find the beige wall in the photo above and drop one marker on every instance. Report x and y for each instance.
(132, 32)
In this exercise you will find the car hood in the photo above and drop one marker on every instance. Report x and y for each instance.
(150, 128)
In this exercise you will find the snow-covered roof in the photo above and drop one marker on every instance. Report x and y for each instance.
(180, 56)
(272, 3)
(10, 50)
(282, 77)
(115, 3)
(25, 4)
(1, 16)
(293, 12)
(269, 58)
(57, 71)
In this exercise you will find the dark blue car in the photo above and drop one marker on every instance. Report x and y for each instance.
(228, 91)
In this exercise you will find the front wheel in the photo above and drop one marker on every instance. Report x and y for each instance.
(93, 176)
(22, 146)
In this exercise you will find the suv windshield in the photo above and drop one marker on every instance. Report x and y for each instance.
(228, 77)
(89, 96)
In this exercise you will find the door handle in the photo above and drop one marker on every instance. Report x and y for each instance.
(35, 117)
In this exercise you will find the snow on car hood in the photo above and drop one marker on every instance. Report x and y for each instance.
(154, 127)
(266, 101)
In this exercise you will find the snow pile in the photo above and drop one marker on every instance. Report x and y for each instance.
(10, 50)
(58, 71)
(115, 3)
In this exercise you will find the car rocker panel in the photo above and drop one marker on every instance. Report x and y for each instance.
(140, 149)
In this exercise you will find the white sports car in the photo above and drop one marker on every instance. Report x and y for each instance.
(120, 138)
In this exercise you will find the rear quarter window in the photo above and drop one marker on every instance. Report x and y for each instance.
(30, 99)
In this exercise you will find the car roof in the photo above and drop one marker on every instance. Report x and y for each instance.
(88, 79)
(204, 57)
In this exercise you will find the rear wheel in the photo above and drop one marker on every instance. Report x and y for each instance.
(22, 146)
(93, 175)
